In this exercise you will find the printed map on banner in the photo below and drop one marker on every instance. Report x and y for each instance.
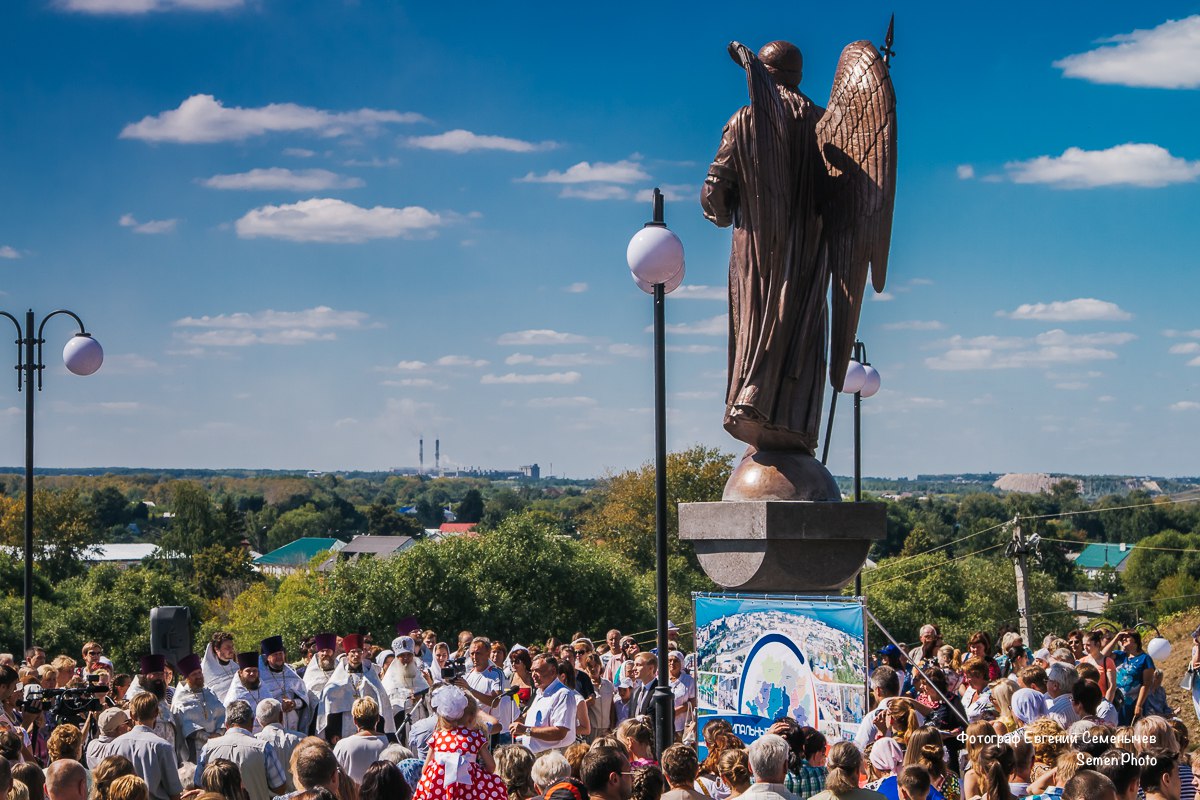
(762, 658)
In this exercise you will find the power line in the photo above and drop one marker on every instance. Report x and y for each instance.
(940, 546)
(1132, 547)
(886, 581)
(1035, 517)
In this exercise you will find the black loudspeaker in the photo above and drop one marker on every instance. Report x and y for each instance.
(171, 632)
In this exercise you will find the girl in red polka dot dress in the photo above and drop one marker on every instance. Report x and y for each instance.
(459, 766)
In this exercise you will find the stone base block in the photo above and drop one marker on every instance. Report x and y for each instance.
(782, 545)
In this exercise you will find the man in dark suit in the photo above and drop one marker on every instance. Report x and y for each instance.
(645, 672)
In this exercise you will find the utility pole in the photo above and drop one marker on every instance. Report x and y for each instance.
(1019, 548)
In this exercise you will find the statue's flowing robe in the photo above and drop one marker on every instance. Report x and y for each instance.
(766, 181)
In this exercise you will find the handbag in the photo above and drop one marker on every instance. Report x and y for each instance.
(689, 727)
(1186, 683)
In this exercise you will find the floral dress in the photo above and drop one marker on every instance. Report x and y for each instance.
(452, 771)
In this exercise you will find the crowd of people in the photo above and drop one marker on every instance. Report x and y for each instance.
(1082, 718)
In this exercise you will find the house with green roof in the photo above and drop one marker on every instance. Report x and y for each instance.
(1097, 556)
(296, 555)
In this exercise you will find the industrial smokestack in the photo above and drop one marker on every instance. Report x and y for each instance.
(421, 457)
(437, 456)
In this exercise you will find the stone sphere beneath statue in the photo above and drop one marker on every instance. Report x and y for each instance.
(773, 475)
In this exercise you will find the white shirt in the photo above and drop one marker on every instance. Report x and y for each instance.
(867, 732)
(491, 681)
(684, 689)
(554, 706)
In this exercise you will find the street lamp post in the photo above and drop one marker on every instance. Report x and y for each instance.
(863, 381)
(655, 257)
(83, 355)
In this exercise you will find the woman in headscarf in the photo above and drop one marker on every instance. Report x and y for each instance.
(884, 758)
(1027, 706)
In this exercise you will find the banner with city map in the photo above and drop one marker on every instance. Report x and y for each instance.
(759, 658)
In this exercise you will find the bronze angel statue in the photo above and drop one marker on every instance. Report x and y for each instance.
(809, 192)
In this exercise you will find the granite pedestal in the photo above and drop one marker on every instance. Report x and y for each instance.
(782, 545)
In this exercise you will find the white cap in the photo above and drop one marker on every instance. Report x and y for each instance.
(382, 658)
(671, 626)
(1042, 655)
(449, 702)
(403, 644)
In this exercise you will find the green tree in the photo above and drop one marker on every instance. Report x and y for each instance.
(470, 509)
(429, 513)
(623, 518)
(961, 596)
(499, 507)
(112, 606)
(193, 524)
(382, 520)
(64, 530)
(1147, 568)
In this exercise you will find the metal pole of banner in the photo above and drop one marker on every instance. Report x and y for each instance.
(917, 667)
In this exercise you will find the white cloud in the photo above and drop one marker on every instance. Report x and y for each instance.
(203, 119)
(1052, 348)
(601, 191)
(1166, 57)
(584, 172)
(273, 178)
(915, 325)
(515, 378)
(883, 297)
(405, 366)
(7, 251)
(1071, 386)
(561, 402)
(460, 361)
(1060, 338)
(1133, 164)
(920, 281)
(415, 383)
(700, 292)
(146, 6)
(460, 141)
(1185, 405)
(693, 349)
(1185, 348)
(373, 163)
(149, 227)
(121, 406)
(299, 152)
(330, 220)
(128, 364)
(556, 360)
(242, 329)
(628, 350)
(540, 336)
(1078, 310)
(1192, 334)
(713, 326)
(965, 172)
(577, 288)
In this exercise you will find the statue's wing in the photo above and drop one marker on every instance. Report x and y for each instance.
(857, 137)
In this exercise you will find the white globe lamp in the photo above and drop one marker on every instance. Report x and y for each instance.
(870, 382)
(655, 255)
(856, 374)
(83, 355)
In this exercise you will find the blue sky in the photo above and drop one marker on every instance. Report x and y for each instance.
(309, 231)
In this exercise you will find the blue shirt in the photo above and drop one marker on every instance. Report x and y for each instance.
(1129, 673)
(891, 790)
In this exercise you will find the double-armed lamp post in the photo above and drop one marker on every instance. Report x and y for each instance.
(655, 258)
(83, 355)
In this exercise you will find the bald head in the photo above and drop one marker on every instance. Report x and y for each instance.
(66, 779)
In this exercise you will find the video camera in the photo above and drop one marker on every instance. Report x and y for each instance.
(70, 705)
(455, 668)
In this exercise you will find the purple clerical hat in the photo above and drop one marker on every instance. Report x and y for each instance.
(151, 663)
(189, 664)
(325, 641)
(247, 660)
